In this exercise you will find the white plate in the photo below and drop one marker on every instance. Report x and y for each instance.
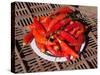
(48, 57)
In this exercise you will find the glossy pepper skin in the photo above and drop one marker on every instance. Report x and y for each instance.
(37, 31)
(39, 26)
(38, 37)
(66, 50)
(80, 40)
(41, 46)
(52, 50)
(45, 21)
(71, 26)
(60, 24)
(30, 27)
(55, 20)
(74, 25)
(73, 32)
(82, 28)
(27, 38)
(68, 37)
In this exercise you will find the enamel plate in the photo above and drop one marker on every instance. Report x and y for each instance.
(48, 57)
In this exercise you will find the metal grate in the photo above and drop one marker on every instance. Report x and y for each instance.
(25, 58)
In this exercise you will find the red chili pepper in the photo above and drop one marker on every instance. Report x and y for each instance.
(66, 49)
(39, 26)
(82, 28)
(52, 50)
(45, 22)
(39, 37)
(59, 25)
(30, 27)
(71, 26)
(80, 40)
(74, 24)
(41, 46)
(27, 38)
(62, 10)
(55, 20)
(61, 38)
(68, 37)
(79, 32)
(42, 18)
(74, 31)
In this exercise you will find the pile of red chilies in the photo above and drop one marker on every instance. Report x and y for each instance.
(56, 33)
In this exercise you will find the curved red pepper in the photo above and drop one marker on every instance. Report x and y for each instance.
(39, 37)
(30, 27)
(27, 38)
(45, 22)
(66, 50)
(59, 24)
(53, 51)
(80, 40)
(39, 26)
(82, 28)
(55, 20)
(71, 26)
(68, 37)
(41, 46)
(74, 24)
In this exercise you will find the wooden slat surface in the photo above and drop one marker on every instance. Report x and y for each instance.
(27, 61)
